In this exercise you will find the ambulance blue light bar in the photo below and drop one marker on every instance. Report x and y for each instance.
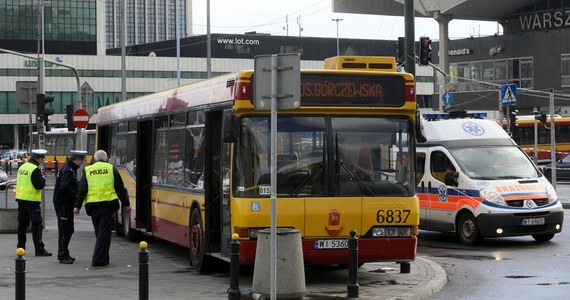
(454, 115)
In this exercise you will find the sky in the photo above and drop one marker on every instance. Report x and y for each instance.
(315, 19)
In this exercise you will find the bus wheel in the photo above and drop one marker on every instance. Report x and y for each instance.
(118, 226)
(543, 237)
(129, 233)
(467, 229)
(197, 242)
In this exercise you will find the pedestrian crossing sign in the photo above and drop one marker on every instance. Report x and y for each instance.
(509, 94)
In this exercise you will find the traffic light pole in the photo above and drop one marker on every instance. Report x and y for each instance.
(410, 61)
(40, 118)
(75, 71)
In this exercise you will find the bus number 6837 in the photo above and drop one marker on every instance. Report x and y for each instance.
(392, 216)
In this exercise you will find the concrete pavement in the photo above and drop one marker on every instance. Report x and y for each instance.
(171, 277)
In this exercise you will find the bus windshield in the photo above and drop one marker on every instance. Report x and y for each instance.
(353, 156)
(507, 162)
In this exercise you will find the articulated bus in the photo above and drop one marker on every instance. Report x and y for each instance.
(59, 141)
(196, 163)
(525, 137)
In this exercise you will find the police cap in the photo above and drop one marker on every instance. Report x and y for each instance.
(77, 154)
(39, 153)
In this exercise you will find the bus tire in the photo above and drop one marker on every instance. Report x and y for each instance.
(118, 226)
(468, 229)
(129, 233)
(198, 257)
(541, 238)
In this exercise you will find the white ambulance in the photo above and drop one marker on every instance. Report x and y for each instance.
(472, 179)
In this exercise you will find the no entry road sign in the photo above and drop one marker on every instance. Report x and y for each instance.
(80, 118)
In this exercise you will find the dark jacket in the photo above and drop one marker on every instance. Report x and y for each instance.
(38, 180)
(114, 205)
(65, 190)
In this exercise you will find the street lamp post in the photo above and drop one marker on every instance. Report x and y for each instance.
(337, 41)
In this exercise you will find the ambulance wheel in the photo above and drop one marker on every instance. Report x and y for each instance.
(198, 257)
(467, 229)
(541, 238)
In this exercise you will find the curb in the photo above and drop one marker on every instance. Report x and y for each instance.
(434, 280)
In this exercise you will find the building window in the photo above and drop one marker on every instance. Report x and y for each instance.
(485, 75)
(565, 70)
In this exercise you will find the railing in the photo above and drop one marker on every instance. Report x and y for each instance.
(9, 185)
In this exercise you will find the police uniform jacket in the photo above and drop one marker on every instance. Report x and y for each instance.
(38, 180)
(65, 191)
(114, 204)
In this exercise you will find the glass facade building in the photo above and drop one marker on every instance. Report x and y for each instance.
(70, 26)
(65, 20)
(147, 21)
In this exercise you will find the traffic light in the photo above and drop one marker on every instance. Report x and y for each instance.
(42, 112)
(513, 128)
(69, 117)
(401, 54)
(425, 50)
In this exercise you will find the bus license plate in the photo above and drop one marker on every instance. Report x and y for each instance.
(331, 244)
(533, 221)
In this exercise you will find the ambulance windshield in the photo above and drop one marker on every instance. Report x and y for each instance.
(492, 163)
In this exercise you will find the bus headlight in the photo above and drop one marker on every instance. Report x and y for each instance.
(552, 196)
(492, 196)
(392, 231)
(378, 232)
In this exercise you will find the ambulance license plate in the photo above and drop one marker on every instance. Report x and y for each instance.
(533, 221)
(331, 244)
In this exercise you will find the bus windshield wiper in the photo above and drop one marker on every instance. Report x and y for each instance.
(355, 177)
(316, 170)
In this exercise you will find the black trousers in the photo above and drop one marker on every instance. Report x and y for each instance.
(30, 212)
(102, 218)
(65, 230)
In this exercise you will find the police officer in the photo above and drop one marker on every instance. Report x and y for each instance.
(100, 189)
(64, 196)
(30, 182)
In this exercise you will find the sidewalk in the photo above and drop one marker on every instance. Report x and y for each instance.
(171, 277)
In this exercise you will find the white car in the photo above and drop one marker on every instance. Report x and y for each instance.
(3, 179)
(7, 157)
(19, 159)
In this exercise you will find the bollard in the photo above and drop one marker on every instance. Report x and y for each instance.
(143, 271)
(233, 291)
(352, 288)
(20, 274)
(290, 266)
(405, 267)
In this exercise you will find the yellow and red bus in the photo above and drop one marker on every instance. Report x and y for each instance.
(196, 163)
(524, 136)
(59, 142)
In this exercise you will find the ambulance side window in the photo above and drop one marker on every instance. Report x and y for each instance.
(420, 166)
(439, 165)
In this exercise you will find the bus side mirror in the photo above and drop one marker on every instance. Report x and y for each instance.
(420, 135)
(230, 125)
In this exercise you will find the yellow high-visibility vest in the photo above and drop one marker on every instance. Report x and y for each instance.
(101, 183)
(26, 190)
